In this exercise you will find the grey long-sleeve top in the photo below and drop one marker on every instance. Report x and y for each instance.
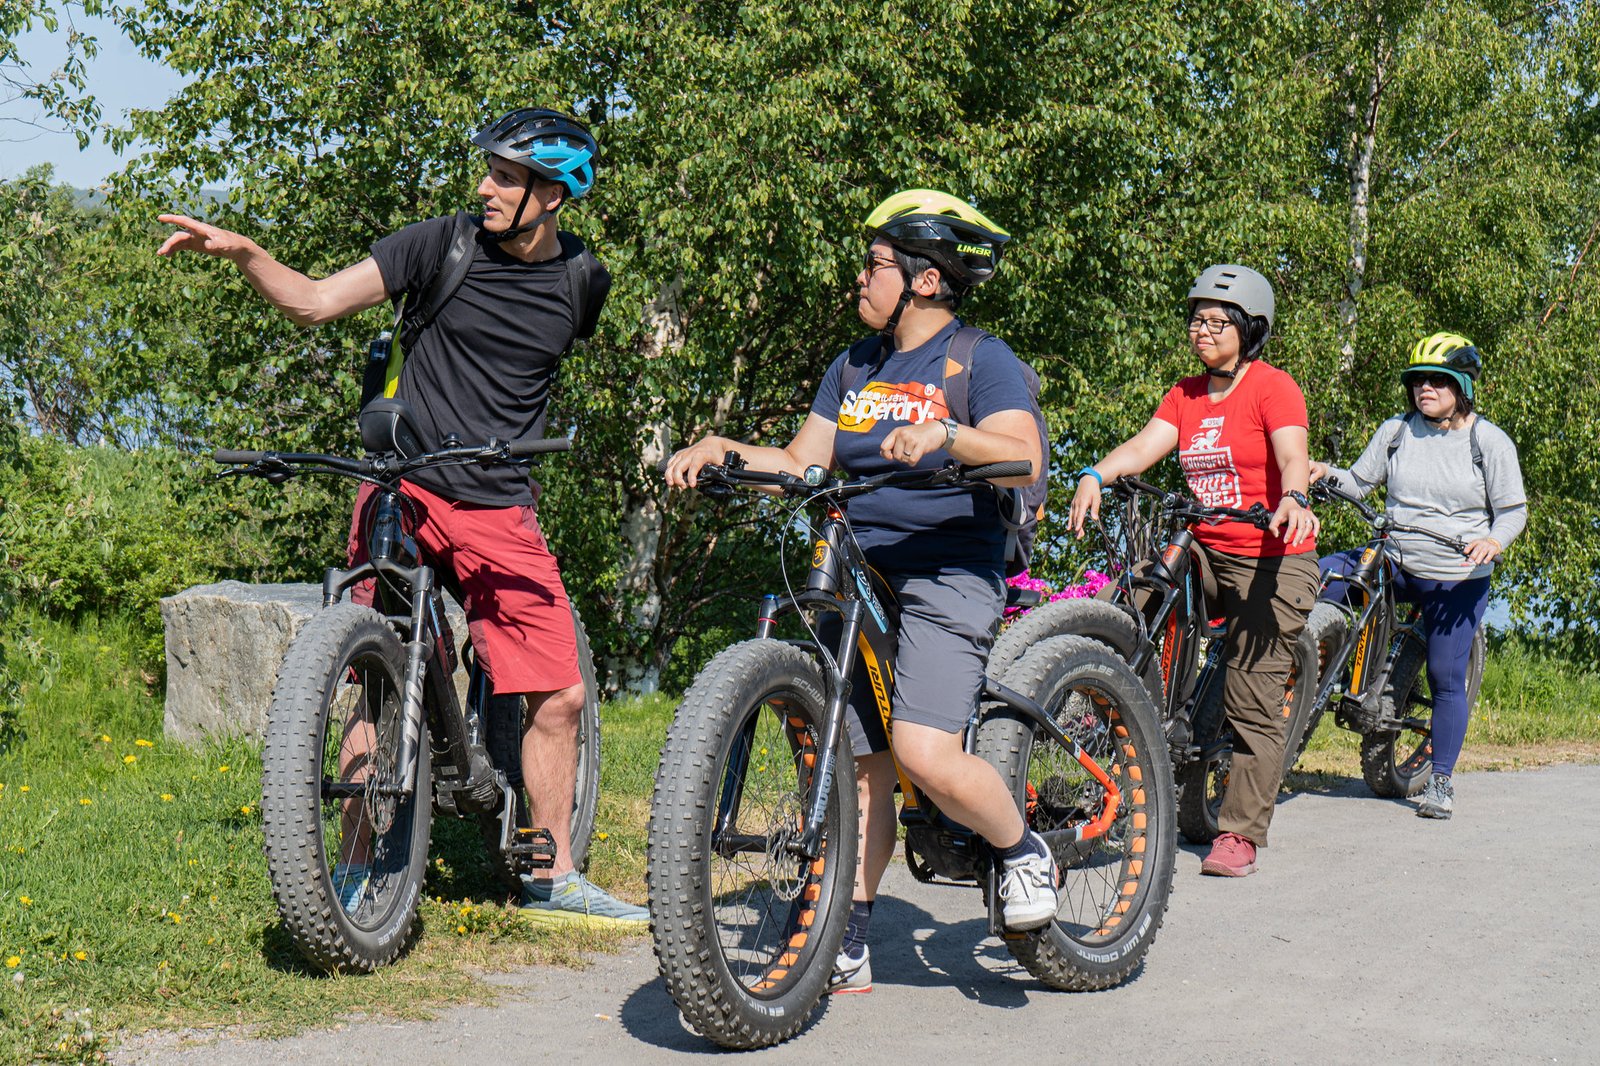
(1433, 484)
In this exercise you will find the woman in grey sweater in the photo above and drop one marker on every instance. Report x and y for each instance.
(1456, 473)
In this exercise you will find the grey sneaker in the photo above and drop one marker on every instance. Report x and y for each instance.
(1438, 798)
(1028, 891)
(574, 898)
(851, 975)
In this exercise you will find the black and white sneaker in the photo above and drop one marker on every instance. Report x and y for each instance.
(1438, 798)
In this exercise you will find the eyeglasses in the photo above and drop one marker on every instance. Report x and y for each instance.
(1214, 325)
(1437, 381)
(874, 262)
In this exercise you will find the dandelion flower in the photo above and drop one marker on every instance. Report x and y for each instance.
(166, 797)
(81, 956)
(143, 743)
(26, 901)
(14, 961)
(27, 788)
(130, 759)
(601, 836)
(247, 809)
(85, 801)
(105, 739)
(224, 768)
(461, 929)
(177, 919)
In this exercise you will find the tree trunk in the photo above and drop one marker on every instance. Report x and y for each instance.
(636, 668)
(1363, 116)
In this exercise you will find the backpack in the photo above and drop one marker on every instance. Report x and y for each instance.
(1020, 509)
(1472, 439)
(588, 280)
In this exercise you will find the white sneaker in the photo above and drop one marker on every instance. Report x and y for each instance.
(1028, 891)
(851, 975)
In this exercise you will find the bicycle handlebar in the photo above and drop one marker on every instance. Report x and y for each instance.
(283, 464)
(1327, 487)
(1184, 509)
(718, 479)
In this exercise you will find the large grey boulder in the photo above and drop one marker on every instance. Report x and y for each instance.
(224, 645)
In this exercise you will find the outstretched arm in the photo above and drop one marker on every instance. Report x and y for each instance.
(306, 301)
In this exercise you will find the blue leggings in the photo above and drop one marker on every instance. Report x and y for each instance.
(1451, 613)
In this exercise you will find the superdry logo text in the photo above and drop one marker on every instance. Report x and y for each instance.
(911, 402)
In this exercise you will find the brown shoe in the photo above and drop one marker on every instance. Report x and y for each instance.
(1231, 856)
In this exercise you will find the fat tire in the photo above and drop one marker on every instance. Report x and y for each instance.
(1111, 624)
(1080, 951)
(1203, 783)
(586, 789)
(335, 643)
(1396, 764)
(1325, 630)
(719, 995)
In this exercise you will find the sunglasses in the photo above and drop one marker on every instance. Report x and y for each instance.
(876, 262)
(1437, 381)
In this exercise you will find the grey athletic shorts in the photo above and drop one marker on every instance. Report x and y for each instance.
(947, 626)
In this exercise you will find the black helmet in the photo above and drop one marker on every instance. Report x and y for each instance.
(554, 146)
(961, 242)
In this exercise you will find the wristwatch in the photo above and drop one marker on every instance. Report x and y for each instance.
(1298, 497)
(950, 425)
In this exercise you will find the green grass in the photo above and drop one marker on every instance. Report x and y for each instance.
(133, 890)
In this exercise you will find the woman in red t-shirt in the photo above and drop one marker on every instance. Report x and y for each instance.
(1240, 433)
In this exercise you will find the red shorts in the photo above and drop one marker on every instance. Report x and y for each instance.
(517, 609)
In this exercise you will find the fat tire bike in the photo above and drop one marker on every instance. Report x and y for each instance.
(366, 737)
(1374, 660)
(1155, 616)
(753, 831)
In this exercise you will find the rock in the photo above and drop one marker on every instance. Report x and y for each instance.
(224, 645)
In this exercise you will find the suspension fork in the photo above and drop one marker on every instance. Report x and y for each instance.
(809, 842)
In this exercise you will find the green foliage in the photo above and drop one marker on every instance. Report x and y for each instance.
(97, 531)
(1126, 148)
(59, 94)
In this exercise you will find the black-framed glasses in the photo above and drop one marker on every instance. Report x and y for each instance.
(1438, 381)
(876, 262)
(1214, 326)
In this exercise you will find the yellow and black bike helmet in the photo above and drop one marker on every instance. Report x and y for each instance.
(954, 235)
(1445, 353)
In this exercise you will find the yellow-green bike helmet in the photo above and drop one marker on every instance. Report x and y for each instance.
(1444, 353)
(960, 241)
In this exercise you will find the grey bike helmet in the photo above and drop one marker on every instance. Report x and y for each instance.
(1247, 297)
(1236, 285)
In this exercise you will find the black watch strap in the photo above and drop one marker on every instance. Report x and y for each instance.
(1298, 497)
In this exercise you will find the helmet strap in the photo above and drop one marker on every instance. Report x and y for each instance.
(514, 230)
(887, 333)
(1229, 374)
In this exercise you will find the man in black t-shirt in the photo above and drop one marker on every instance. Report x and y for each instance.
(484, 367)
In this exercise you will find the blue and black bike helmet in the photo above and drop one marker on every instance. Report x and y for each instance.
(554, 146)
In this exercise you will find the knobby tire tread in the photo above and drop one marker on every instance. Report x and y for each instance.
(291, 804)
(1005, 741)
(687, 786)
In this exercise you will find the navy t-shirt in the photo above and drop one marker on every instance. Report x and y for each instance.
(919, 530)
(486, 365)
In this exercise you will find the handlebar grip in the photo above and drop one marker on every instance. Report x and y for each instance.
(232, 455)
(519, 448)
(1014, 468)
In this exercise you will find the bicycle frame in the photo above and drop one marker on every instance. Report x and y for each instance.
(466, 777)
(840, 581)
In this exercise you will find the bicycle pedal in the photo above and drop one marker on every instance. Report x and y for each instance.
(533, 849)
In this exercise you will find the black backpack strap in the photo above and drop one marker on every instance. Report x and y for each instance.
(419, 311)
(589, 283)
(958, 372)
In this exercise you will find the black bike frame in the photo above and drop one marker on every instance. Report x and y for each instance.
(841, 582)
